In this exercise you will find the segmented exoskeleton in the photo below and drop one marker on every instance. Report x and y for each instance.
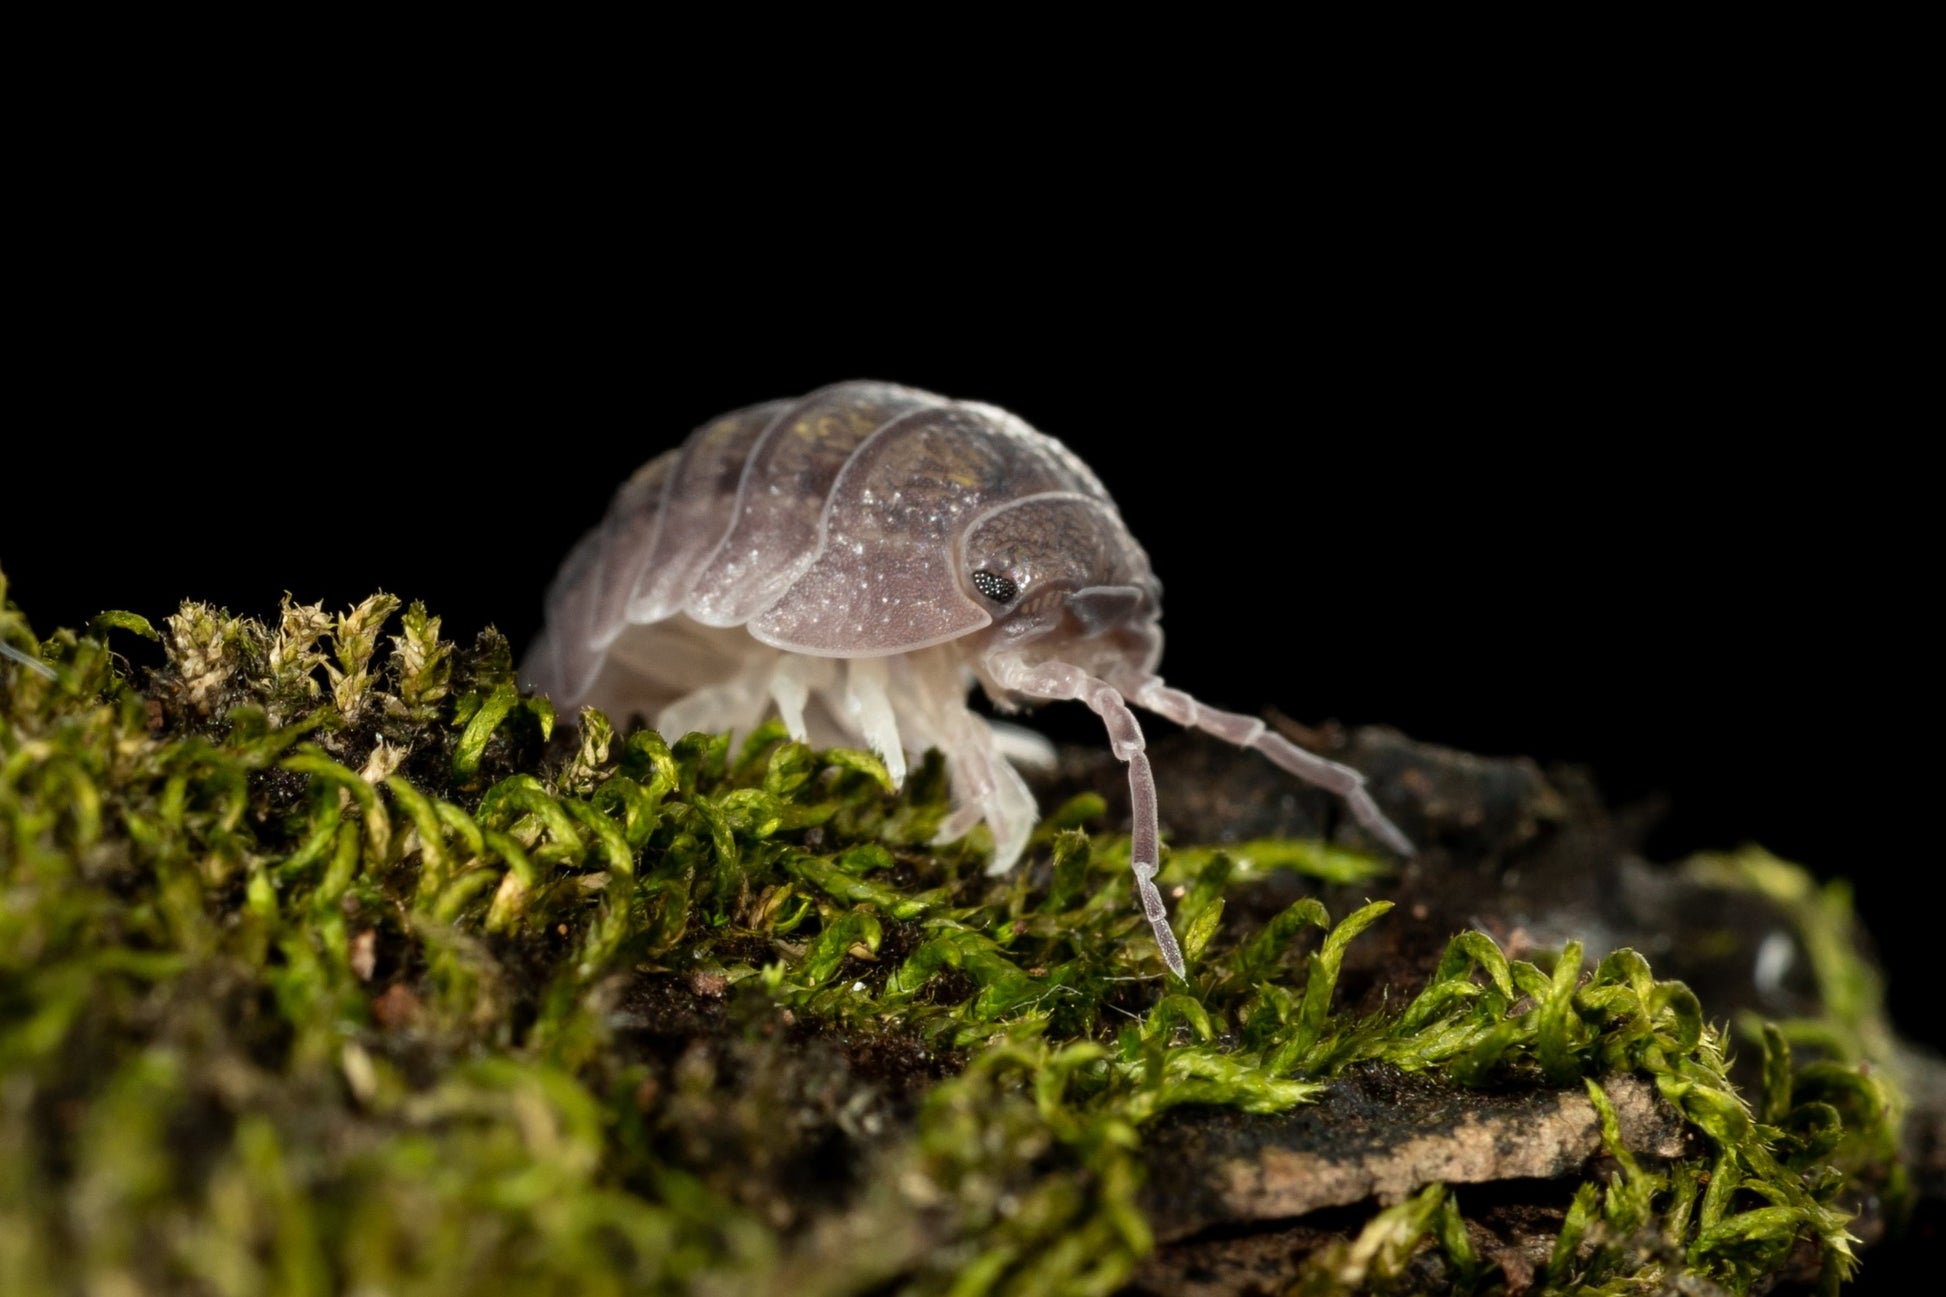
(858, 559)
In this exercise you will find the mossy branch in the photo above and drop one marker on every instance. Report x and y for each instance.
(335, 966)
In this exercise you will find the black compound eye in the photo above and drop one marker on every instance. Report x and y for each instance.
(994, 586)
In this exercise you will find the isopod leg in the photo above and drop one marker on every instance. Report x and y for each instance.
(929, 693)
(1022, 746)
(1059, 680)
(1249, 732)
(791, 684)
(736, 704)
(790, 695)
(986, 787)
(871, 712)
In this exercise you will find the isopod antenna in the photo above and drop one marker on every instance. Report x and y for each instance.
(1056, 681)
(1250, 732)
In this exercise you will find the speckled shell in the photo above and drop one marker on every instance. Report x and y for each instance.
(837, 525)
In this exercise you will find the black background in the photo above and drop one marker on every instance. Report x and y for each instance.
(1594, 434)
(1611, 461)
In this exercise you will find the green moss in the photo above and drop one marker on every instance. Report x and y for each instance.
(326, 965)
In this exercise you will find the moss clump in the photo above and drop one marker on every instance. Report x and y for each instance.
(326, 964)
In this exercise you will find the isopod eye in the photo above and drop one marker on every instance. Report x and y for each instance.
(994, 586)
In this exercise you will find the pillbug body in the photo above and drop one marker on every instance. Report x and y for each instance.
(858, 560)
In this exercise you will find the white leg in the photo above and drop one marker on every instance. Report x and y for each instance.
(1011, 814)
(985, 787)
(1022, 746)
(790, 688)
(737, 704)
(928, 690)
(871, 713)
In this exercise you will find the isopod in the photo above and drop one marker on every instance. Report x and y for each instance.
(858, 560)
